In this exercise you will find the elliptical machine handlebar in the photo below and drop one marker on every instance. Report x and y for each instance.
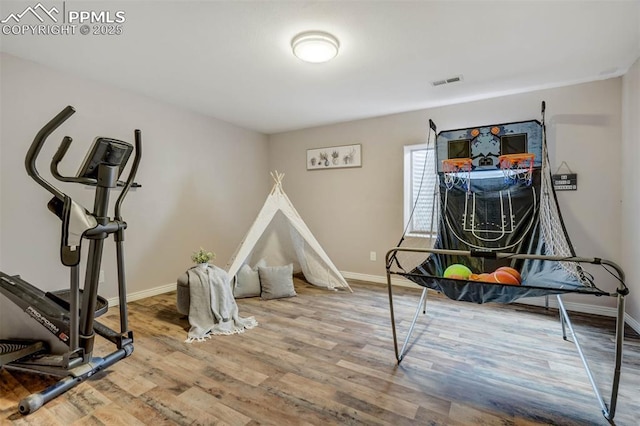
(62, 150)
(38, 143)
(132, 173)
(60, 153)
(36, 146)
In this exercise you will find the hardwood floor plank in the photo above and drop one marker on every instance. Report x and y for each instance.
(113, 414)
(325, 400)
(339, 379)
(135, 385)
(210, 404)
(433, 403)
(289, 328)
(134, 406)
(470, 416)
(175, 409)
(10, 390)
(65, 413)
(236, 371)
(42, 417)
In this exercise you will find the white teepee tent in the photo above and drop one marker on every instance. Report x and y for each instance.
(280, 236)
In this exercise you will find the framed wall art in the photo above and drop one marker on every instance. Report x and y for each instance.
(334, 157)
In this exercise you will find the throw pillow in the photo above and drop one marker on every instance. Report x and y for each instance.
(247, 283)
(276, 281)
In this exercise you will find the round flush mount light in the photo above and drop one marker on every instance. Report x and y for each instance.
(315, 46)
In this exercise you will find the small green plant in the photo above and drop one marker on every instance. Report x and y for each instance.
(202, 256)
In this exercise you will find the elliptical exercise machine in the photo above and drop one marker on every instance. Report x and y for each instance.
(69, 314)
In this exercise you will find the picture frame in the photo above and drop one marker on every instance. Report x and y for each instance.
(334, 157)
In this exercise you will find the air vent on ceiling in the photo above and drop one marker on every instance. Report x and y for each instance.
(449, 80)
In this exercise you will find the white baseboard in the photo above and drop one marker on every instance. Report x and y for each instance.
(535, 301)
(144, 294)
(632, 323)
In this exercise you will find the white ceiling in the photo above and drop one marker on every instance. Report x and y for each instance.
(232, 60)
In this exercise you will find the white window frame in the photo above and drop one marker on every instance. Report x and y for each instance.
(408, 192)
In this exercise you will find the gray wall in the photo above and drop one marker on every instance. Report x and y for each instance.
(355, 211)
(203, 181)
(630, 186)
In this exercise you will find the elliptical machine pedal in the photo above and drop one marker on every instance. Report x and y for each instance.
(15, 350)
(63, 298)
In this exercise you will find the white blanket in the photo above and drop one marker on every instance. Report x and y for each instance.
(212, 309)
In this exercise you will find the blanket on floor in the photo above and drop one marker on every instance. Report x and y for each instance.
(212, 308)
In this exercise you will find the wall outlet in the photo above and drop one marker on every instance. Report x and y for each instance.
(101, 279)
(373, 256)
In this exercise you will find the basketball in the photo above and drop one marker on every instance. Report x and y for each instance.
(491, 278)
(487, 278)
(511, 271)
(504, 277)
(457, 271)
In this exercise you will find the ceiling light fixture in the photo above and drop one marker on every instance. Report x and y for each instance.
(315, 46)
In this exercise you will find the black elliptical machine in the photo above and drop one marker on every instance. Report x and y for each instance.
(69, 314)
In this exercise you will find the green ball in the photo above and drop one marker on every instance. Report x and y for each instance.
(457, 270)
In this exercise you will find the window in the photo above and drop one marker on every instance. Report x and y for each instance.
(420, 181)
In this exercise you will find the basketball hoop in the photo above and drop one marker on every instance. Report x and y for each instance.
(517, 167)
(457, 171)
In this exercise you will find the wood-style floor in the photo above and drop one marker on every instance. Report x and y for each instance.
(327, 358)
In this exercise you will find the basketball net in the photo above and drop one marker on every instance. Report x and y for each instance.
(517, 167)
(457, 172)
